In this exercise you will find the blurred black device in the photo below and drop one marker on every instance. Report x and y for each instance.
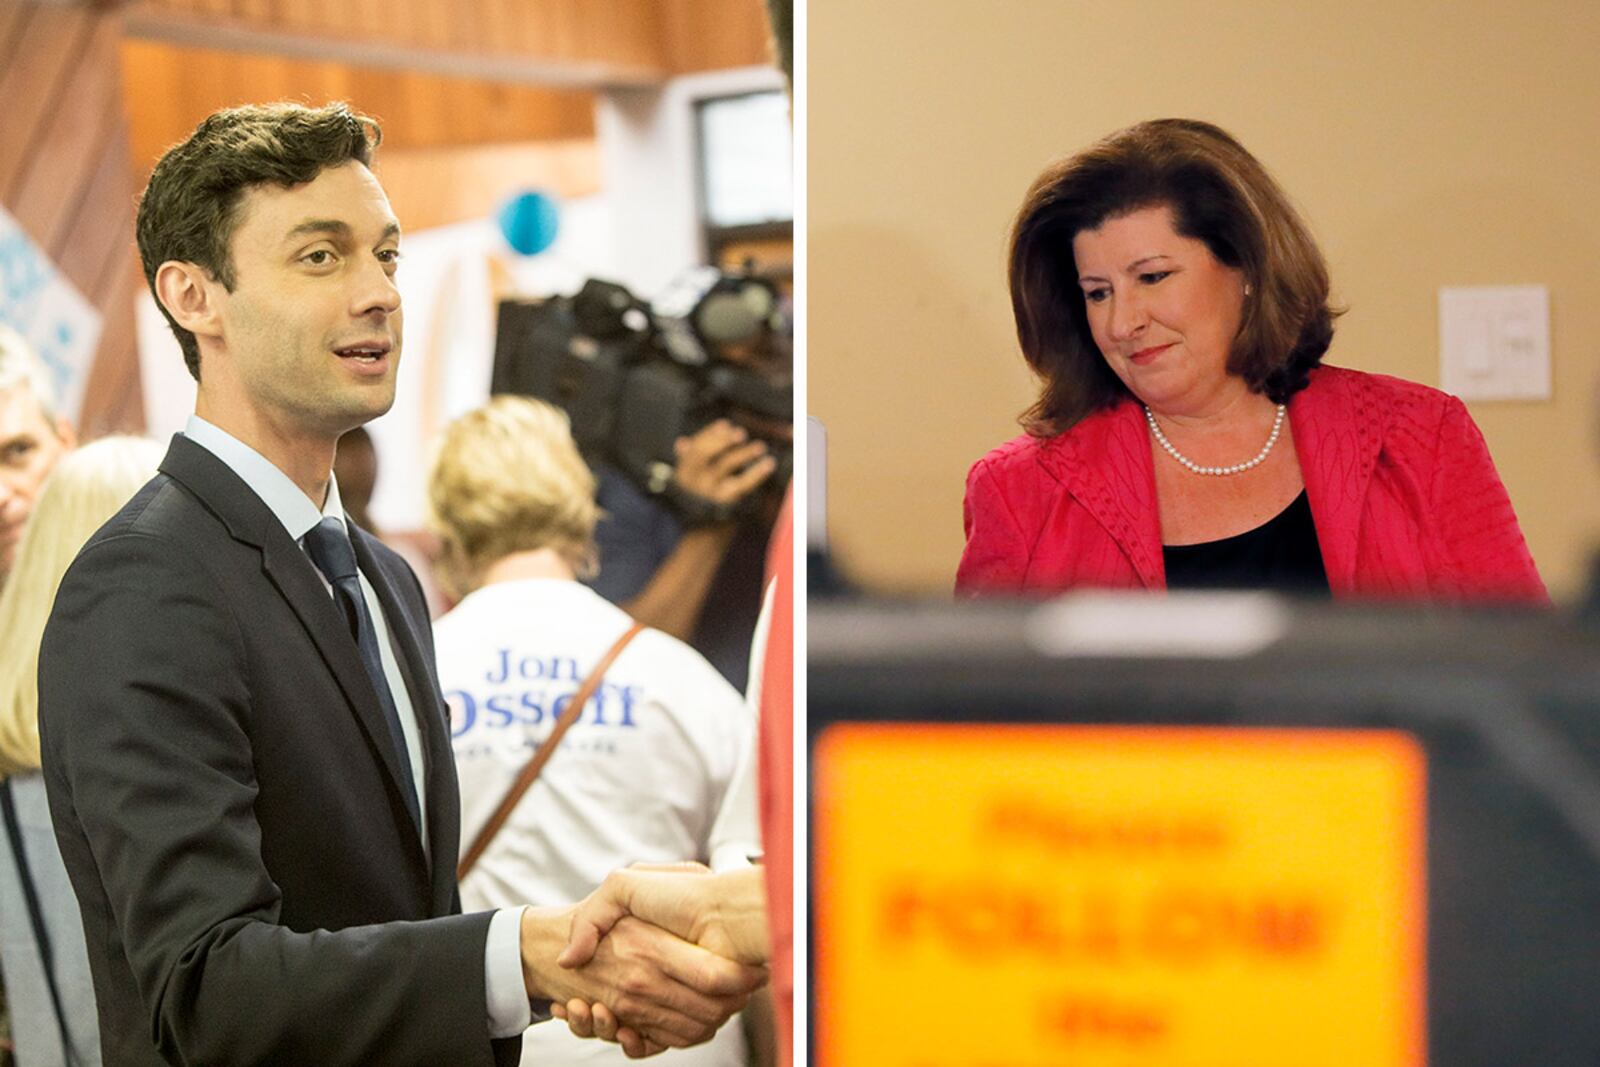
(634, 378)
(1506, 705)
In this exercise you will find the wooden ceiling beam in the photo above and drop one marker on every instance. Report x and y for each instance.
(417, 43)
(170, 88)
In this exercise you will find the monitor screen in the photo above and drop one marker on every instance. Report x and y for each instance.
(746, 170)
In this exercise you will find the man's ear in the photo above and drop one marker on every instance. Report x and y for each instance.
(65, 432)
(191, 296)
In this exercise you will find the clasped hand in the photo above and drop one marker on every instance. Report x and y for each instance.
(669, 982)
(721, 915)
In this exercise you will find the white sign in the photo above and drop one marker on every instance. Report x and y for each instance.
(39, 303)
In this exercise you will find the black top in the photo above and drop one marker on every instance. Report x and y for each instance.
(1281, 554)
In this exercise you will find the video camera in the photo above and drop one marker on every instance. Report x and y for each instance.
(633, 378)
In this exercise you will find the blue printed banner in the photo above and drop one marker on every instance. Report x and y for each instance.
(43, 306)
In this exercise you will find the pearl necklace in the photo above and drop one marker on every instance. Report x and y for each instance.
(1237, 468)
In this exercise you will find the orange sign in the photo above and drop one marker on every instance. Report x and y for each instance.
(995, 896)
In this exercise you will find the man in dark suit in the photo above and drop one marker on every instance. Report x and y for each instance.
(245, 748)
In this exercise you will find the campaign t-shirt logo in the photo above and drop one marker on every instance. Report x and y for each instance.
(533, 691)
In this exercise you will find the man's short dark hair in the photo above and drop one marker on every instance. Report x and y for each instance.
(190, 208)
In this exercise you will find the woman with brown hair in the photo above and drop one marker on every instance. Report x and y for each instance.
(1176, 310)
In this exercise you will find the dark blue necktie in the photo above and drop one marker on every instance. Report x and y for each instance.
(334, 556)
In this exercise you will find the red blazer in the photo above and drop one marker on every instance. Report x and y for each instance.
(1403, 493)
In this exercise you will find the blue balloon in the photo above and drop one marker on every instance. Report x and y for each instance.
(529, 221)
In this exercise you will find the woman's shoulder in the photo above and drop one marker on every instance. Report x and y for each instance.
(1380, 407)
(1027, 455)
(1018, 453)
(1368, 387)
(1352, 418)
(1024, 468)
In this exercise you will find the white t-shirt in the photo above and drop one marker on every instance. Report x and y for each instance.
(641, 776)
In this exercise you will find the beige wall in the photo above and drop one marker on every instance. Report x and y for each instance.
(1428, 144)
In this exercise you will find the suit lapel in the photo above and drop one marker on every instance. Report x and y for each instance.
(1338, 434)
(421, 683)
(1104, 462)
(250, 521)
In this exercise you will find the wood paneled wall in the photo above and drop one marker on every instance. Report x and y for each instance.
(170, 88)
(582, 43)
(714, 34)
(437, 186)
(65, 176)
(91, 93)
(594, 41)
(478, 73)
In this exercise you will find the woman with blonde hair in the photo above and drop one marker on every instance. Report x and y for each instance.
(41, 935)
(647, 772)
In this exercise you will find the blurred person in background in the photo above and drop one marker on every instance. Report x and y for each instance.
(646, 772)
(749, 916)
(355, 465)
(32, 438)
(1188, 435)
(694, 569)
(741, 913)
(355, 468)
(52, 1003)
(658, 566)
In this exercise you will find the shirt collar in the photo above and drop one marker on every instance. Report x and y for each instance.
(283, 498)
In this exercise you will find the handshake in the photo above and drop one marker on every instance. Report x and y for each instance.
(658, 957)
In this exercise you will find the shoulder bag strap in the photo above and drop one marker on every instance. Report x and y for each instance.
(30, 892)
(542, 756)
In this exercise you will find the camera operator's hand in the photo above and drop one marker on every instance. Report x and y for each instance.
(721, 464)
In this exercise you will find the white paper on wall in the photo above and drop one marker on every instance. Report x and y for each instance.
(448, 293)
(38, 302)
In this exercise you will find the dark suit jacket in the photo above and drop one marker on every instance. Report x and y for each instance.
(228, 803)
